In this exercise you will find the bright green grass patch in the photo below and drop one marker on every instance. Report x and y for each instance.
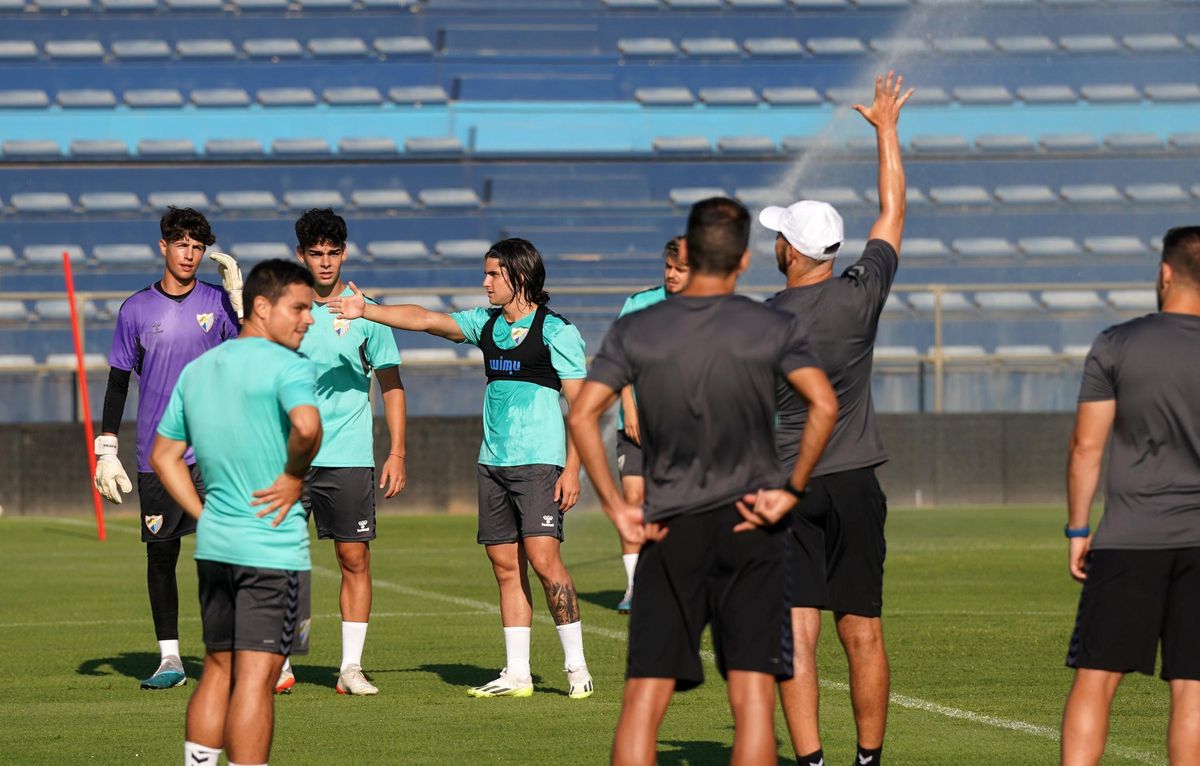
(978, 611)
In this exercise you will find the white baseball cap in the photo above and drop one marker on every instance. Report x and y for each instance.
(811, 227)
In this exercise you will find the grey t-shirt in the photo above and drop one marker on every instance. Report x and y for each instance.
(841, 317)
(705, 370)
(1151, 367)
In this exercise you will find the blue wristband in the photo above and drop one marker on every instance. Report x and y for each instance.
(1076, 532)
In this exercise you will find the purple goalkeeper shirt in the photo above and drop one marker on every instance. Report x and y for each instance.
(156, 337)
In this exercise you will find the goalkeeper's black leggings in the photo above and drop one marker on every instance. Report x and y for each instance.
(161, 558)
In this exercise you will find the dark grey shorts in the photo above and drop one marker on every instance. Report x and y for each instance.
(629, 456)
(516, 502)
(342, 502)
(254, 609)
(162, 518)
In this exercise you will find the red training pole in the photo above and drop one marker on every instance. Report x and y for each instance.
(81, 373)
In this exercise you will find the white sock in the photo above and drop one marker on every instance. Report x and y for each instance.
(287, 664)
(516, 647)
(354, 635)
(200, 755)
(630, 561)
(168, 648)
(571, 636)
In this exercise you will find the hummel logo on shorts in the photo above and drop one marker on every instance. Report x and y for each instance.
(363, 525)
(547, 521)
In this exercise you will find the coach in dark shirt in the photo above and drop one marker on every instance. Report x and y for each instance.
(1141, 570)
(715, 522)
(838, 550)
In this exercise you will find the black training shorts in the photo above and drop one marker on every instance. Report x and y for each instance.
(341, 502)
(516, 502)
(703, 572)
(839, 546)
(1132, 600)
(162, 518)
(254, 609)
(629, 456)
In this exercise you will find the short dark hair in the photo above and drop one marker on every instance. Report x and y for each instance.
(320, 225)
(523, 264)
(1181, 251)
(180, 222)
(718, 232)
(671, 249)
(271, 279)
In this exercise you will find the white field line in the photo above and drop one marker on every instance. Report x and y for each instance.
(904, 701)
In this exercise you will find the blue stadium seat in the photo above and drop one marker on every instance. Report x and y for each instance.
(286, 97)
(1157, 193)
(52, 310)
(326, 4)
(418, 94)
(850, 95)
(448, 198)
(13, 311)
(924, 247)
(166, 149)
(89, 98)
(835, 46)
(367, 147)
(253, 252)
(1048, 247)
(936, 144)
(647, 47)
(316, 198)
(1153, 43)
(961, 352)
(41, 202)
(838, 196)
(110, 202)
(682, 145)
(195, 5)
(1047, 94)
(398, 250)
(273, 47)
(1185, 141)
(51, 254)
(233, 148)
(984, 247)
(98, 149)
(428, 356)
(337, 47)
(74, 50)
(1082, 44)
(1133, 141)
(746, 145)
(1110, 246)
(244, 201)
(632, 4)
(1072, 300)
(123, 254)
(1005, 143)
(261, 5)
(472, 300)
(1006, 300)
(18, 50)
(1172, 92)
(707, 47)
(1069, 142)
(729, 96)
(1088, 194)
(694, 4)
(794, 96)
(664, 96)
(462, 249)
(161, 200)
(427, 301)
(899, 46)
(983, 94)
(140, 50)
(774, 46)
(931, 95)
(220, 97)
(1111, 93)
(951, 301)
(153, 98)
(24, 99)
(1133, 300)
(32, 149)
(129, 5)
(7, 256)
(1027, 194)
(300, 147)
(206, 49)
(963, 45)
(686, 196)
(1029, 351)
(960, 195)
(433, 145)
(407, 45)
(1026, 44)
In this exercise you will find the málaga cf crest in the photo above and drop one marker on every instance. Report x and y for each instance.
(205, 320)
(154, 523)
(340, 326)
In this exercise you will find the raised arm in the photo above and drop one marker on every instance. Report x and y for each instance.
(884, 114)
(584, 422)
(402, 317)
(1093, 423)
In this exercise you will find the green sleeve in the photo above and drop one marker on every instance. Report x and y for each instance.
(471, 323)
(567, 350)
(296, 386)
(382, 351)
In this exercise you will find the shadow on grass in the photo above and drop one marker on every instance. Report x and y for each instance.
(318, 675)
(464, 676)
(603, 598)
(697, 754)
(137, 665)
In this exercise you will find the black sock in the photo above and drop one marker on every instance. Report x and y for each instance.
(868, 756)
(164, 592)
(815, 758)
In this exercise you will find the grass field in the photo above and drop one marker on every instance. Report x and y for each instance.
(978, 611)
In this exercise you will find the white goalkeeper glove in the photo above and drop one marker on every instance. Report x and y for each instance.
(110, 478)
(231, 279)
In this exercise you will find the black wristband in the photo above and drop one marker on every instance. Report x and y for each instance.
(791, 490)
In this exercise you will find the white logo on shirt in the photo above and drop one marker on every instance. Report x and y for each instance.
(340, 326)
(518, 334)
(205, 321)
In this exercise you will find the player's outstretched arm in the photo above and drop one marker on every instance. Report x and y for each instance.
(884, 115)
(1093, 422)
(166, 458)
(769, 506)
(584, 422)
(304, 442)
(402, 317)
(395, 413)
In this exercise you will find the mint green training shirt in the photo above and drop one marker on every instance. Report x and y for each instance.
(523, 422)
(231, 405)
(345, 351)
(637, 302)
